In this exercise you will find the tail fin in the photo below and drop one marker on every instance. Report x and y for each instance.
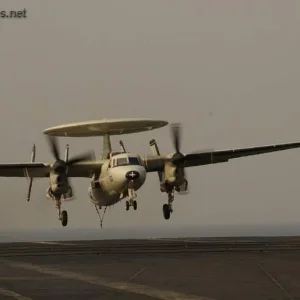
(106, 146)
(155, 152)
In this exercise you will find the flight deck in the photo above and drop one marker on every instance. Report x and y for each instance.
(190, 268)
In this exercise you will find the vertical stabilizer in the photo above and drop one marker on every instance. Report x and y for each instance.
(31, 179)
(155, 152)
(106, 146)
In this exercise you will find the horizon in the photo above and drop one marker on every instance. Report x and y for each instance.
(207, 231)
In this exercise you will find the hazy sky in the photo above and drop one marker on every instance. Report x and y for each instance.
(227, 70)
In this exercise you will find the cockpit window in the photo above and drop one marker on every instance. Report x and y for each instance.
(134, 161)
(125, 161)
(122, 161)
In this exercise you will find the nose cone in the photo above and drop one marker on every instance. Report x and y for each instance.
(132, 175)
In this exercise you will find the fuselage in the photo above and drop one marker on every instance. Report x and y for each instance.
(120, 173)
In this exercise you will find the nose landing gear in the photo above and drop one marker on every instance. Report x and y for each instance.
(131, 202)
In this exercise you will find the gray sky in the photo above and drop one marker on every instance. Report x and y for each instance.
(176, 60)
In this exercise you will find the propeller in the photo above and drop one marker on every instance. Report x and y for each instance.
(176, 136)
(178, 158)
(61, 165)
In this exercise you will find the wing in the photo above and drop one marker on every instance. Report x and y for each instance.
(85, 169)
(155, 164)
(24, 170)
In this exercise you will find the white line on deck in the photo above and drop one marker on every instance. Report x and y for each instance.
(13, 294)
(56, 243)
(108, 283)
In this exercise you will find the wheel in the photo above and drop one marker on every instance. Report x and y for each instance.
(64, 218)
(127, 205)
(166, 211)
(134, 205)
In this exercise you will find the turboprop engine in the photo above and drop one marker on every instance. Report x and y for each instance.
(174, 174)
(174, 177)
(59, 183)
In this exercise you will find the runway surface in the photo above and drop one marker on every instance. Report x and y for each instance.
(191, 268)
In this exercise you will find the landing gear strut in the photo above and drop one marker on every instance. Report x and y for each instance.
(168, 208)
(131, 202)
(62, 215)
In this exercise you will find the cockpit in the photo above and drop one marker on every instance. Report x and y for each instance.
(125, 159)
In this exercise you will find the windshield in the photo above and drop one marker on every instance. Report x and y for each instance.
(122, 161)
(134, 161)
(125, 161)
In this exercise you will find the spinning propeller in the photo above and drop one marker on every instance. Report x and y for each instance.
(178, 159)
(61, 166)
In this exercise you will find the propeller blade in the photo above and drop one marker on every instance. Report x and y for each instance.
(53, 146)
(176, 136)
(81, 158)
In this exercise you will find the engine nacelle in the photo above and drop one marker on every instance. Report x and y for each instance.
(59, 184)
(173, 177)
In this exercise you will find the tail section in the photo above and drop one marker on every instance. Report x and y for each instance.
(31, 179)
(106, 147)
(155, 152)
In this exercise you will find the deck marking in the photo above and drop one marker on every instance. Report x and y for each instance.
(26, 278)
(268, 274)
(137, 273)
(12, 294)
(55, 243)
(108, 283)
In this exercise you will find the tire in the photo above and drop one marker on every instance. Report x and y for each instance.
(166, 211)
(64, 218)
(134, 205)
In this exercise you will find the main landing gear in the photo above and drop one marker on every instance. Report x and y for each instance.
(168, 208)
(62, 215)
(131, 202)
